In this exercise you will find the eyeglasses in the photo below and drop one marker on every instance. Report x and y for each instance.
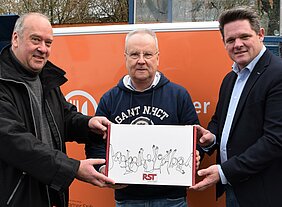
(137, 55)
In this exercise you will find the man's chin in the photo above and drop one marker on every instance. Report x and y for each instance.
(37, 68)
(241, 60)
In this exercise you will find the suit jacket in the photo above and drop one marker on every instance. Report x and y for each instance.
(254, 147)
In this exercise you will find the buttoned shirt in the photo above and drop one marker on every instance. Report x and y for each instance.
(242, 77)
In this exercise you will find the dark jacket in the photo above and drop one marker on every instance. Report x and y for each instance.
(31, 173)
(165, 104)
(254, 147)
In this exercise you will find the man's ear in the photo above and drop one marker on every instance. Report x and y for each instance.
(261, 34)
(15, 39)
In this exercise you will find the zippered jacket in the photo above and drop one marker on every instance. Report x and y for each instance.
(32, 174)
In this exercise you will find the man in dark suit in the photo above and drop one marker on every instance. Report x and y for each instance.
(246, 128)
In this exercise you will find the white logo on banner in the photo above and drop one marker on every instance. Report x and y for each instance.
(84, 102)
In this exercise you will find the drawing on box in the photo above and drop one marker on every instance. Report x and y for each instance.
(158, 160)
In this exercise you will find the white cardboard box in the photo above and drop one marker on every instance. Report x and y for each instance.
(151, 154)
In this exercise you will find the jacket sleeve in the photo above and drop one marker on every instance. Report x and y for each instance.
(96, 146)
(220, 111)
(23, 151)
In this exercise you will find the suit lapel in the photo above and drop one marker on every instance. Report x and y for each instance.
(254, 76)
(228, 87)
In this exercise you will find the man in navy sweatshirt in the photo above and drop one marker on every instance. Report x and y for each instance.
(145, 96)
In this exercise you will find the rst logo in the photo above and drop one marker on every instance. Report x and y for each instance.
(152, 177)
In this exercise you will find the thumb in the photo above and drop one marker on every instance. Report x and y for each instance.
(96, 161)
(202, 139)
(203, 172)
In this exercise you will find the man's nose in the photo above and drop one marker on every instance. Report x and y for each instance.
(238, 42)
(42, 47)
(141, 59)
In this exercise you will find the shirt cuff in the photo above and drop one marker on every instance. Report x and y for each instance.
(222, 176)
(206, 149)
(101, 168)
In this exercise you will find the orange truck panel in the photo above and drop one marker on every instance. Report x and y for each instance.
(191, 54)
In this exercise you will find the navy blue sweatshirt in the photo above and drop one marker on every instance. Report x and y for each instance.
(165, 104)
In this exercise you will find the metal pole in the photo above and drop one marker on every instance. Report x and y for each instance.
(131, 11)
(169, 10)
(280, 22)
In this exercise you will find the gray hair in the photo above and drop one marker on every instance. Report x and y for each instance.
(19, 25)
(142, 31)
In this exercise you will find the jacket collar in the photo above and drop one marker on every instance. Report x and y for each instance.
(10, 69)
(259, 69)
